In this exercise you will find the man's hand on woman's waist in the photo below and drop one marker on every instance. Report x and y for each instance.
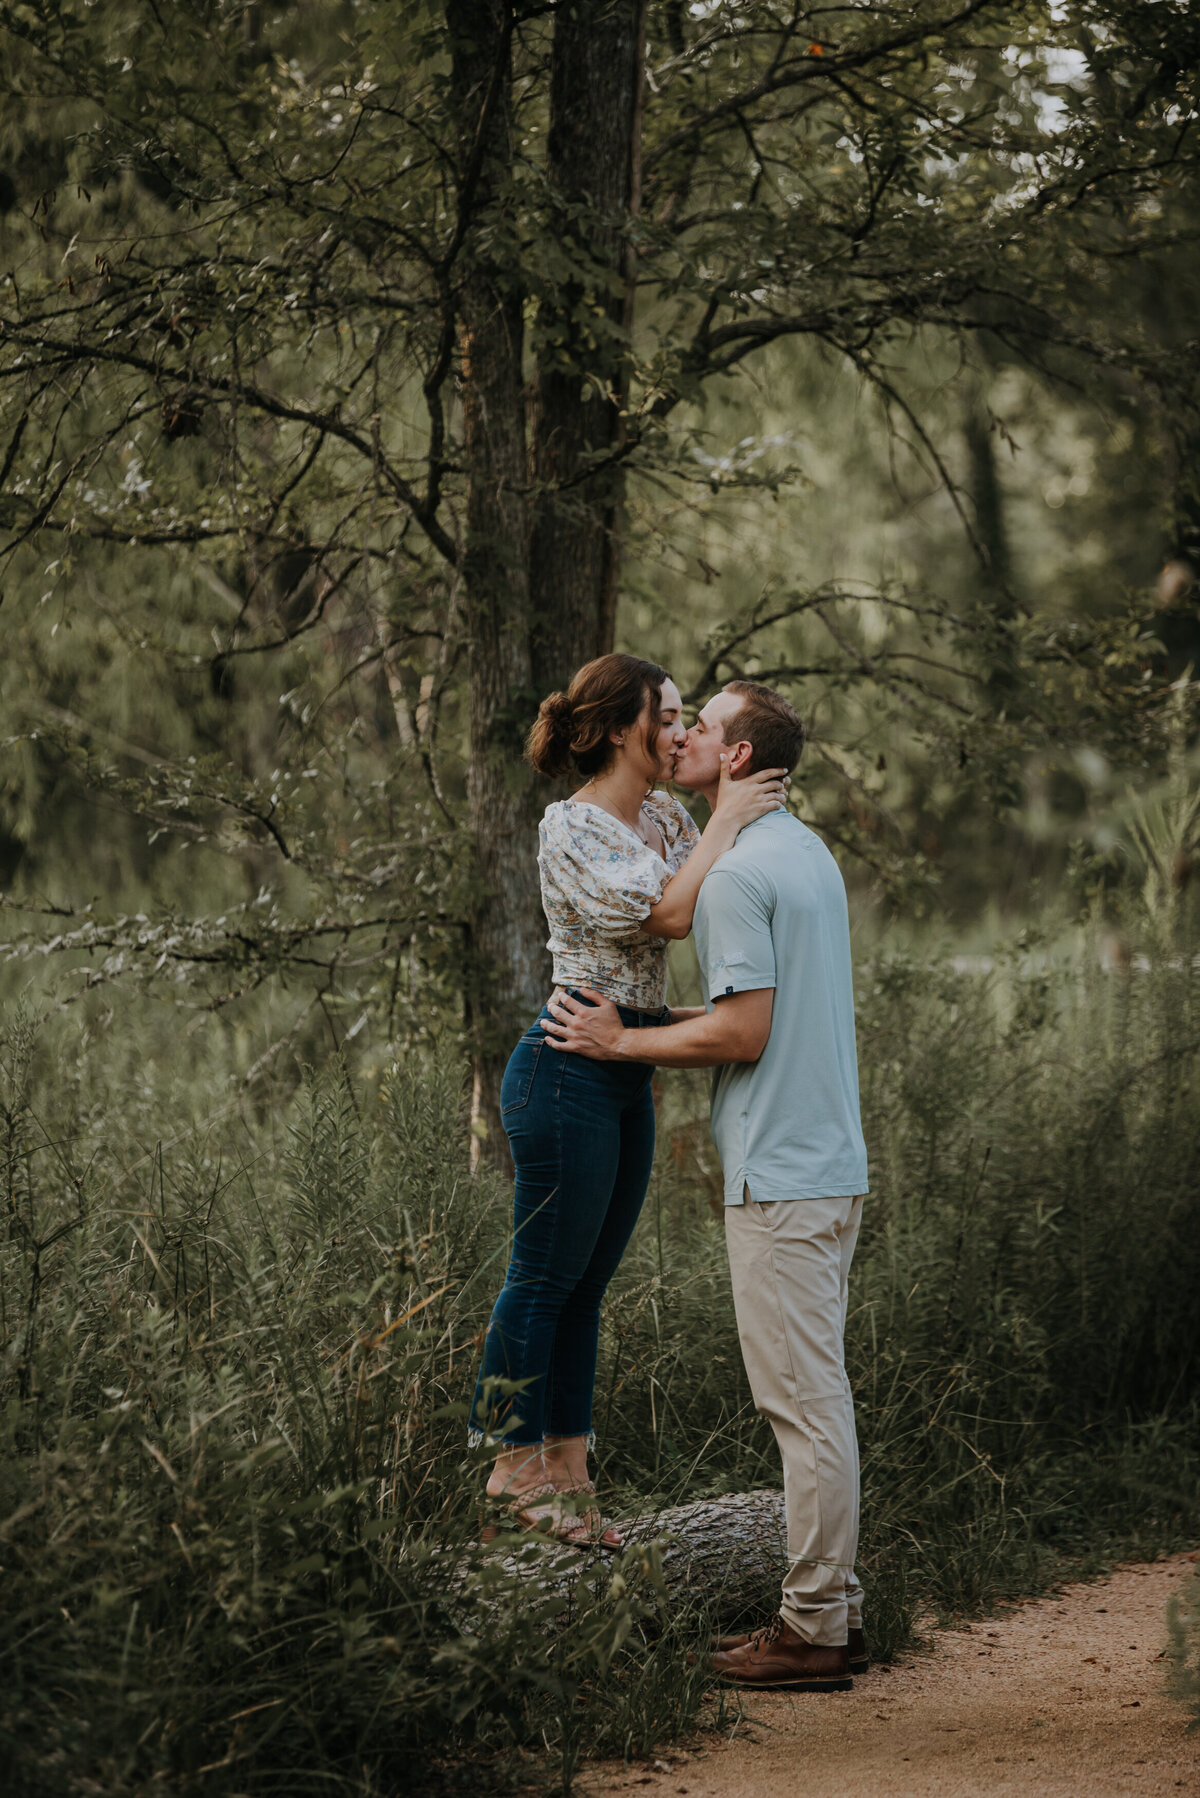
(736, 1030)
(594, 1030)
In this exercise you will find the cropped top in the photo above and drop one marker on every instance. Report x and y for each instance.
(599, 881)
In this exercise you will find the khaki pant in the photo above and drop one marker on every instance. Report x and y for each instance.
(790, 1263)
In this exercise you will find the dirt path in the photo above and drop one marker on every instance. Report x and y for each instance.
(1064, 1696)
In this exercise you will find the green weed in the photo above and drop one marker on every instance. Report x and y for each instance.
(237, 1517)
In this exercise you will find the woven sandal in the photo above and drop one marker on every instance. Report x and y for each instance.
(543, 1512)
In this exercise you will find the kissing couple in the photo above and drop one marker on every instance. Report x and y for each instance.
(624, 870)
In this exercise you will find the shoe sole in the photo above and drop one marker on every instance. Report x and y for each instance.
(785, 1685)
(857, 1667)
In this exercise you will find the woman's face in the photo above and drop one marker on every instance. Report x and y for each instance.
(671, 733)
(654, 760)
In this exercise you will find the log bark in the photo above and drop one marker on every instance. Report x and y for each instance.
(729, 1554)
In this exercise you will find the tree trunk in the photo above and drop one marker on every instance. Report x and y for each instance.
(988, 497)
(991, 533)
(583, 331)
(507, 972)
(539, 577)
(729, 1553)
(1175, 621)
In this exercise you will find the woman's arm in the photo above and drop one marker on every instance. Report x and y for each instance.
(739, 802)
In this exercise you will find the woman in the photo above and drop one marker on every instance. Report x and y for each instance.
(621, 867)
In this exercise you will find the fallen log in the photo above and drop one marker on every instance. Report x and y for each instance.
(727, 1554)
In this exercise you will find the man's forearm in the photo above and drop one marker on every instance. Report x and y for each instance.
(704, 1041)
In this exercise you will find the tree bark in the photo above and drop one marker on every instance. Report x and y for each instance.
(729, 1553)
(507, 972)
(991, 533)
(539, 576)
(583, 332)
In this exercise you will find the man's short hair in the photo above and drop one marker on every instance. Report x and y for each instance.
(768, 722)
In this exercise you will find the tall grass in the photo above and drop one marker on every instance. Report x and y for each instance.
(235, 1501)
(1183, 1616)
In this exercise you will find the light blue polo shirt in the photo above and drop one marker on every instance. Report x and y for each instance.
(772, 913)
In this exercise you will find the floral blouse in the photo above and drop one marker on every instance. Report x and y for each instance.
(599, 881)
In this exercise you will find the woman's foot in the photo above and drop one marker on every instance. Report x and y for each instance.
(566, 1463)
(556, 1514)
(598, 1531)
(549, 1512)
(517, 1485)
(536, 1487)
(565, 1459)
(520, 1472)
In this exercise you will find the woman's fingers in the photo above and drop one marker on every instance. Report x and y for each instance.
(763, 777)
(752, 795)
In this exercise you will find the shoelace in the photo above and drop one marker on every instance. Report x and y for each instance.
(768, 1634)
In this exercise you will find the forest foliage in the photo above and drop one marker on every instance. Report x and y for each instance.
(363, 369)
(362, 372)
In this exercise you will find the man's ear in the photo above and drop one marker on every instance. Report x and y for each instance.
(740, 756)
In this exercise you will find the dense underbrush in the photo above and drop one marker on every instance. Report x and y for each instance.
(238, 1342)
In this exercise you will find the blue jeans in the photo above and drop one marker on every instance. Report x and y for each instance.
(582, 1139)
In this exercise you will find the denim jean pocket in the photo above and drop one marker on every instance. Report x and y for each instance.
(518, 1077)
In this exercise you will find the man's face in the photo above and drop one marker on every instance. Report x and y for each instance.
(698, 764)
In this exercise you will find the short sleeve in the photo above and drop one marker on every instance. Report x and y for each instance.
(599, 871)
(733, 935)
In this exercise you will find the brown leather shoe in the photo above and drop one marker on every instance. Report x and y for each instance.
(776, 1658)
(856, 1649)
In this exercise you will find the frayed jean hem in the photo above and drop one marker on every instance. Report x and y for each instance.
(481, 1439)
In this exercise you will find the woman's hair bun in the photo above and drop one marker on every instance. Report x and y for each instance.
(558, 709)
(548, 746)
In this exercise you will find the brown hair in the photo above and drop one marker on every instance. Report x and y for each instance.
(608, 694)
(768, 722)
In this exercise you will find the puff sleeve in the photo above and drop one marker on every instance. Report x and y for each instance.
(597, 879)
(679, 832)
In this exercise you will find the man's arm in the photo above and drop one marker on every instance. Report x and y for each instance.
(678, 1014)
(736, 1030)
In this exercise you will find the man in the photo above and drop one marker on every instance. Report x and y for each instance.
(773, 938)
